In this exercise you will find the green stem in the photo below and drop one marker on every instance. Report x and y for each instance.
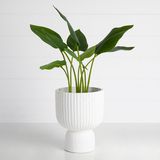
(71, 75)
(85, 79)
(81, 83)
(90, 72)
(84, 71)
(66, 72)
(78, 79)
(67, 77)
(91, 60)
(72, 69)
(84, 68)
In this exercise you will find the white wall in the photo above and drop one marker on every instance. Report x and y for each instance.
(131, 79)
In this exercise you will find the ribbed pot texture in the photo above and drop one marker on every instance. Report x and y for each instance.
(79, 111)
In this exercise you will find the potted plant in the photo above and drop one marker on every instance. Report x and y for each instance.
(79, 107)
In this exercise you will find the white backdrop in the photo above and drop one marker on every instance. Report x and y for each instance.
(131, 80)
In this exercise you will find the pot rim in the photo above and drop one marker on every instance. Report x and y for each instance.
(92, 90)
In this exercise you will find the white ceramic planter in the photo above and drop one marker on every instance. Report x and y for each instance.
(79, 113)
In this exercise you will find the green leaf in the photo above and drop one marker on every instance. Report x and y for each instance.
(73, 34)
(49, 36)
(110, 41)
(88, 53)
(52, 65)
(83, 45)
(117, 48)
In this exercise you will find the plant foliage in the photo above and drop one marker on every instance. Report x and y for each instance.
(75, 52)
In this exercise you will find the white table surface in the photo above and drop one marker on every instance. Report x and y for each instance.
(44, 141)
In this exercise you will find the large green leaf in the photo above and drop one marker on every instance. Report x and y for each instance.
(52, 65)
(117, 48)
(49, 36)
(110, 41)
(83, 45)
(72, 32)
(88, 53)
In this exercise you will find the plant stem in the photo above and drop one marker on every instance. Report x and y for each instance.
(67, 77)
(90, 72)
(81, 83)
(78, 79)
(85, 79)
(72, 69)
(91, 60)
(71, 75)
(66, 72)
(84, 71)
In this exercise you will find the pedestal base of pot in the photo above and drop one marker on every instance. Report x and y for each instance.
(80, 141)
